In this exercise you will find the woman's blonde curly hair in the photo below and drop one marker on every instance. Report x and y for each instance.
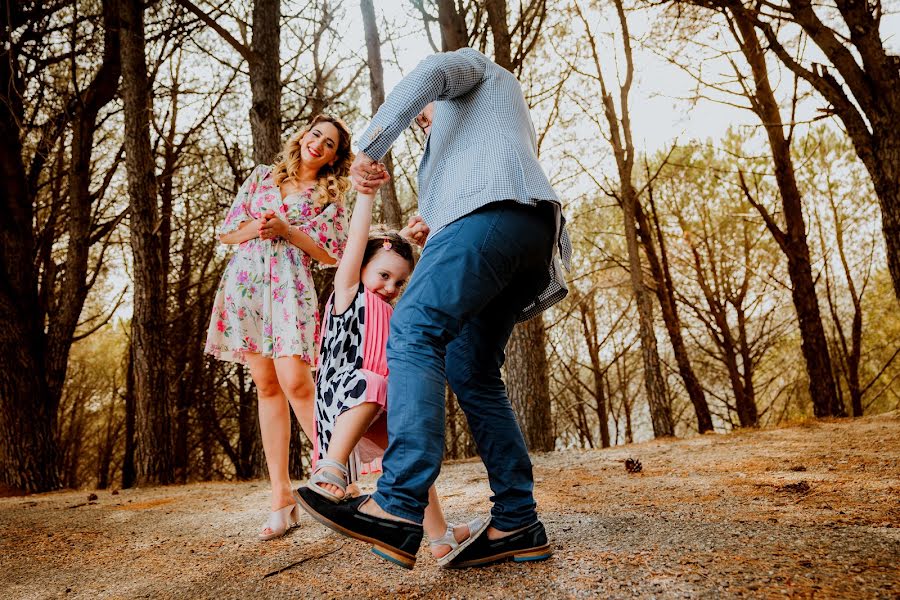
(334, 180)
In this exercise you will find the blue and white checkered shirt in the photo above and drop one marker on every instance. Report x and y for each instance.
(482, 147)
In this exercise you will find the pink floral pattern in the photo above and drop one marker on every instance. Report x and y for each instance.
(266, 301)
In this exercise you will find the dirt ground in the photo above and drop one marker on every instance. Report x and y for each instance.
(808, 511)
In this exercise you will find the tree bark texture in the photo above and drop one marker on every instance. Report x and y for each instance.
(454, 34)
(265, 81)
(793, 239)
(153, 423)
(528, 385)
(660, 415)
(392, 213)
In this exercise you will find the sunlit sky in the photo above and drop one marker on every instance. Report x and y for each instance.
(658, 100)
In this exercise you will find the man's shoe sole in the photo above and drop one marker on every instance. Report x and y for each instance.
(394, 555)
(528, 555)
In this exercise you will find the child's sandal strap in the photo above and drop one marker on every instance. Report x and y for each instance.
(448, 539)
(328, 462)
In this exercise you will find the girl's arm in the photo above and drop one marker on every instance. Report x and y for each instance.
(245, 231)
(346, 279)
(273, 226)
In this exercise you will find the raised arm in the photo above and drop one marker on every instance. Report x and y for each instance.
(438, 77)
(346, 278)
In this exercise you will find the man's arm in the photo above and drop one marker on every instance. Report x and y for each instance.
(438, 77)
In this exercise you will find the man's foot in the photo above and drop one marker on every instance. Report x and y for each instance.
(523, 545)
(391, 539)
(371, 508)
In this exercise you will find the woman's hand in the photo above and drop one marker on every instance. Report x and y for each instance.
(416, 231)
(245, 231)
(272, 226)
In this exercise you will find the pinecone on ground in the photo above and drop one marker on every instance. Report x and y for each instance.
(633, 465)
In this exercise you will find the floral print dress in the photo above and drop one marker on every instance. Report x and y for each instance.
(266, 301)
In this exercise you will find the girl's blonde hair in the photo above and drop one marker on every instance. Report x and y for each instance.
(333, 181)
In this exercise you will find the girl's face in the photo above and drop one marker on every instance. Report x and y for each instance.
(386, 274)
(319, 145)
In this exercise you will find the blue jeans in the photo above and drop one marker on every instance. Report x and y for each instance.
(452, 324)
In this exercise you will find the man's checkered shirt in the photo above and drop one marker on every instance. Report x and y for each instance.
(481, 149)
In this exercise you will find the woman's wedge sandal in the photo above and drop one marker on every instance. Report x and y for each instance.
(280, 521)
(476, 527)
(322, 476)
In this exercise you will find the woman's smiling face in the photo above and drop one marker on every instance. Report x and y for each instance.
(319, 145)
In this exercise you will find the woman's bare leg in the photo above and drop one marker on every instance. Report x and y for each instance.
(275, 427)
(295, 379)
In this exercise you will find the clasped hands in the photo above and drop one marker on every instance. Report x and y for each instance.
(270, 226)
(367, 176)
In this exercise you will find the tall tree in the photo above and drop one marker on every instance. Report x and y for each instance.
(527, 381)
(619, 134)
(264, 65)
(859, 81)
(792, 239)
(41, 306)
(154, 460)
(390, 205)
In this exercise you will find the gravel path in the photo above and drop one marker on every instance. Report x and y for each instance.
(805, 511)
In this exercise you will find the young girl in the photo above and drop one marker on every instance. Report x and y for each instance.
(351, 387)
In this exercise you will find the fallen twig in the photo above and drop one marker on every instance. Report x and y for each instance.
(301, 561)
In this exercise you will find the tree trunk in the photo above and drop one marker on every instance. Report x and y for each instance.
(28, 454)
(622, 144)
(665, 293)
(793, 240)
(589, 329)
(73, 290)
(251, 462)
(390, 205)
(886, 179)
(129, 476)
(863, 96)
(265, 81)
(528, 384)
(527, 381)
(454, 34)
(153, 424)
(496, 11)
(601, 408)
(660, 415)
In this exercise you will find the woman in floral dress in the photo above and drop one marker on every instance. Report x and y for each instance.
(265, 312)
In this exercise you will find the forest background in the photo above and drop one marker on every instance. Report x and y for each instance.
(730, 172)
